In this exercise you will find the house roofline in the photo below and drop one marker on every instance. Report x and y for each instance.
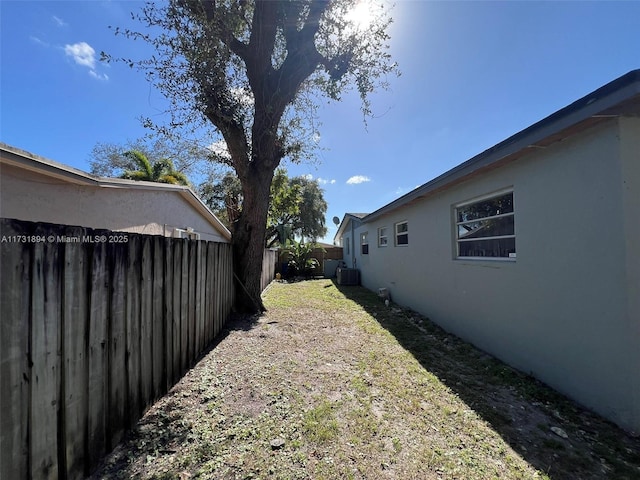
(619, 97)
(348, 217)
(23, 159)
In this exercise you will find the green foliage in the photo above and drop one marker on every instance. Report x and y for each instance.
(161, 171)
(297, 208)
(223, 197)
(188, 156)
(301, 261)
(284, 208)
(313, 208)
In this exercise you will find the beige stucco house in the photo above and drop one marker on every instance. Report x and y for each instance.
(36, 189)
(531, 250)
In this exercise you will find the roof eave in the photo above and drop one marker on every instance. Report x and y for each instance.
(600, 104)
(348, 217)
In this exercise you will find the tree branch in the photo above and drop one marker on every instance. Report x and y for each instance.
(263, 36)
(302, 57)
(208, 9)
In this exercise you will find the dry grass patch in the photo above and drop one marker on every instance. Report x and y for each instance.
(332, 384)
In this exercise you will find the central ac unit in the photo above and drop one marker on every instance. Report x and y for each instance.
(348, 276)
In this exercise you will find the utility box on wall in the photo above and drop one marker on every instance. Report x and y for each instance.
(348, 276)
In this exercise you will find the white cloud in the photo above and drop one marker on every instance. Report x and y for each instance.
(324, 181)
(358, 179)
(244, 97)
(220, 150)
(38, 41)
(320, 180)
(94, 74)
(59, 22)
(84, 54)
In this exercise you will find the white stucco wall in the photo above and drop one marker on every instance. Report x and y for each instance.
(35, 197)
(566, 310)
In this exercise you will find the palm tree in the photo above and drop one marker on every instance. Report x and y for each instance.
(161, 171)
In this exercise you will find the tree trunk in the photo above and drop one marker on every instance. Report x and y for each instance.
(249, 240)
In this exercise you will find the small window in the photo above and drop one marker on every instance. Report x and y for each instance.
(402, 233)
(364, 243)
(486, 227)
(383, 241)
(346, 246)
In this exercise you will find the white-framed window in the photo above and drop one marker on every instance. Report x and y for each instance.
(383, 240)
(402, 233)
(485, 227)
(347, 243)
(364, 243)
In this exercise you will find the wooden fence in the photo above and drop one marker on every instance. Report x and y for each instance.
(269, 261)
(95, 326)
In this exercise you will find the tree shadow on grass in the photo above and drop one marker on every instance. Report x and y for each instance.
(531, 417)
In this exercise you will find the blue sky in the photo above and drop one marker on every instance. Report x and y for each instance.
(473, 73)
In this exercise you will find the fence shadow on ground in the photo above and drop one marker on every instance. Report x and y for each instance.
(522, 410)
(164, 428)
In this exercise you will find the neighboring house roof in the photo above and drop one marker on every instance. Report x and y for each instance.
(346, 220)
(22, 159)
(619, 97)
(326, 245)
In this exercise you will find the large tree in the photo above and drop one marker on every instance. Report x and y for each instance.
(255, 71)
(296, 208)
(310, 224)
(296, 205)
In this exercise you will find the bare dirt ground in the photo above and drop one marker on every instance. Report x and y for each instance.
(332, 384)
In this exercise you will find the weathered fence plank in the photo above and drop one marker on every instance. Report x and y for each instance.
(74, 344)
(98, 354)
(46, 305)
(117, 380)
(184, 308)
(209, 311)
(146, 323)
(191, 304)
(217, 292)
(132, 301)
(228, 285)
(177, 309)
(157, 319)
(14, 345)
(169, 318)
(201, 267)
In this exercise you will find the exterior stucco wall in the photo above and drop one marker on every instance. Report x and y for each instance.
(36, 197)
(562, 310)
(630, 157)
